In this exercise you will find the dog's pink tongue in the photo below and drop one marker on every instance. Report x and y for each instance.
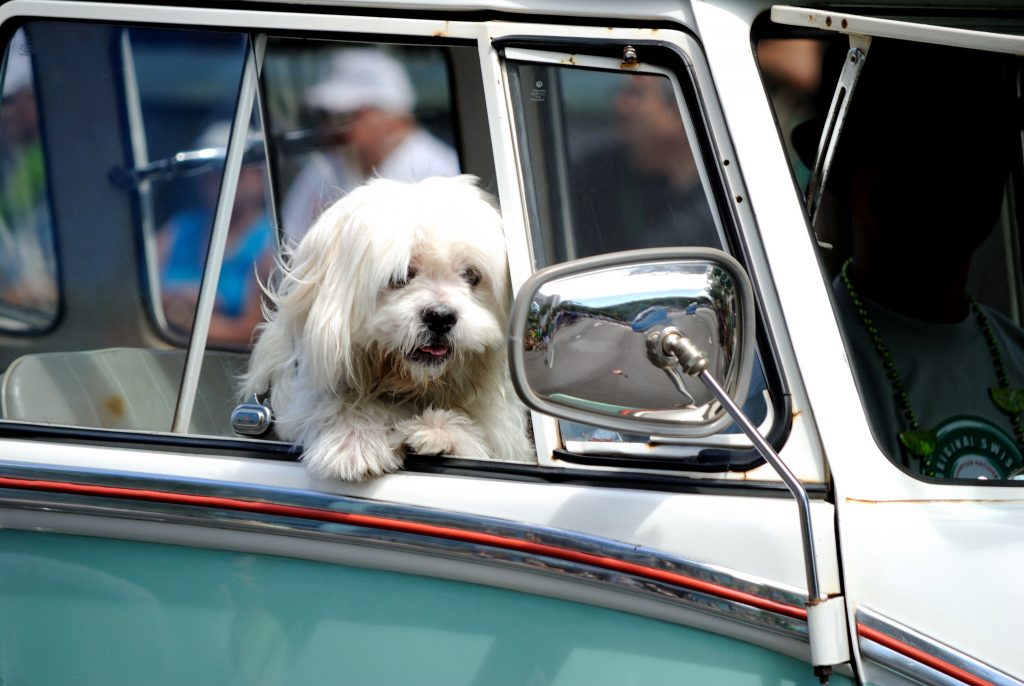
(435, 350)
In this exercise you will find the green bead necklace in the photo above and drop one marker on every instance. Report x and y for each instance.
(922, 442)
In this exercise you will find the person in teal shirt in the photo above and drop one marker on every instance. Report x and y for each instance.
(248, 255)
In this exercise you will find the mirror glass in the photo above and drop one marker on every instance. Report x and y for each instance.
(581, 353)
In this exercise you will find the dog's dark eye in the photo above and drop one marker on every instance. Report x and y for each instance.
(471, 275)
(402, 281)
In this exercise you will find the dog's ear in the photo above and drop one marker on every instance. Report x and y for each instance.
(337, 271)
(319, 296)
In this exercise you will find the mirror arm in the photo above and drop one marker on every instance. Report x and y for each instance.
(794, 485)
(826, 625)
(694, 362)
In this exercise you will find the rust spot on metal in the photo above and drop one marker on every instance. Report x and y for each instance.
(797, 413)
(441, 33)
(571, 59)
(114, 407)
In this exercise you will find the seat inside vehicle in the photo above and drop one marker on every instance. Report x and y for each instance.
(119, 388)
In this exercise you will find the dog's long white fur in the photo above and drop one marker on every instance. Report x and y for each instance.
(344, 317)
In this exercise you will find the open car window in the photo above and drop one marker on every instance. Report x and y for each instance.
(174, 159)
(919, 230)
(112, 100)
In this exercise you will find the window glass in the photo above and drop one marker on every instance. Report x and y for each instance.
(611, 164)
(921, 242)
(28, 263)
(186, 113)
(143, 119)
(119, 104)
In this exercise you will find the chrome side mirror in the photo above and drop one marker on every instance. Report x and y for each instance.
(586, 335)
(588, 340)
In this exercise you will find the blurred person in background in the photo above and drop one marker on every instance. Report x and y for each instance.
(28, 267)
(643, 189)
(792, 70)
(367, 98)
(248, 254)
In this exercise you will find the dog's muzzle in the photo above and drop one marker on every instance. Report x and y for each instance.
(438, 321)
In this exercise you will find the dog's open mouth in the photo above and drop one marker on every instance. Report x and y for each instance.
(430, 354)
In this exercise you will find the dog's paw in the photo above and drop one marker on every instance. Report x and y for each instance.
(351, 454)
(441, 432)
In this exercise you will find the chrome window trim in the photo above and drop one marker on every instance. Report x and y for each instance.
(30, 499)
(909, 667)
(895, 665)
(139, 148)
(719, 160)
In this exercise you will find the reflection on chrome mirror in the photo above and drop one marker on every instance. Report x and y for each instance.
(585, 335)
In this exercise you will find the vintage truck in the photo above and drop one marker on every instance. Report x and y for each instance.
(747, 523)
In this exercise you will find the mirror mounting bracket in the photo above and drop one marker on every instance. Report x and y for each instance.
(670, 357)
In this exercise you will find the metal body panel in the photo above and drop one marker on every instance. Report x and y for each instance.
(217, 517)
(211, 615)
(934, 556)
(768, 538)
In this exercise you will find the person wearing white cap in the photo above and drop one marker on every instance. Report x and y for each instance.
(369, 93)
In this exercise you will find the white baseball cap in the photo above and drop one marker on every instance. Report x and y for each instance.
(363, 77)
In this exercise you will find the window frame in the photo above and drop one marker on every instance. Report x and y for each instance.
(678, 59)
(255, 27)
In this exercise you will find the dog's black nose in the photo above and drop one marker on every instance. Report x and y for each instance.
(439, 319)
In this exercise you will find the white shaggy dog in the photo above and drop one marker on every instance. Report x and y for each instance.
(387, 332)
